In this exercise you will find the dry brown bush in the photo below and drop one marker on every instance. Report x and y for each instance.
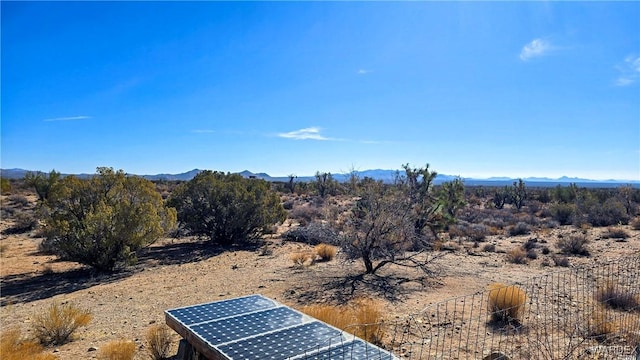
(326, 252)
(617, 297)
(158, 339)
(14, 347)
(573, 245)
(118, 350)
(506, 303)
(517, 256)
(56, 325)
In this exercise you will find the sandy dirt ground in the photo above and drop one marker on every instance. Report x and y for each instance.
(180, 272)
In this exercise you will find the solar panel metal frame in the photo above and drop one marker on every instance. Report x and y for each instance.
(185, 320)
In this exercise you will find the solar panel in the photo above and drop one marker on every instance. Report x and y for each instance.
(255, 327)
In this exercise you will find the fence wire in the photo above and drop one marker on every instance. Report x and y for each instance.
(587, 312)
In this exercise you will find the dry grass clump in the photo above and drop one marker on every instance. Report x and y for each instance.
(301, 259)
(616, 297)
(158, 339)
(600, 324)
(326, 252)
(56, 325)
(573, 245)
(14, 347)
(517, 256)
(506, 303)
(118, 350)
(362, 318)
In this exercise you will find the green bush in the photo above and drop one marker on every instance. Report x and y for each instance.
(227, 208)
(563, 213)
(103, 221)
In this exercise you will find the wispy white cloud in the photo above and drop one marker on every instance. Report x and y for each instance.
(68, 118)
(202, 131)
(629, 71)
(310, 133)
(536, 48)
(364, 71)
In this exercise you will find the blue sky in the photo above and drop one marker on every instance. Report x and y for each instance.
(474, 89)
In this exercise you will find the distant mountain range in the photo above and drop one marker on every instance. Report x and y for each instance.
(378, 174)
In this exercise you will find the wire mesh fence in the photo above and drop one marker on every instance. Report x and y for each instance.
(587, 312)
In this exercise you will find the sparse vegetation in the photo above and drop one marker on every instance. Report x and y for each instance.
(118, 350)
(313, 234)
(158, 340)
(561, 261)
(600, 325)
(573, 245)
(56, 325)
(506, 303)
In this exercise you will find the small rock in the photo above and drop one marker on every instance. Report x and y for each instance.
(56, 350)
(93, 348)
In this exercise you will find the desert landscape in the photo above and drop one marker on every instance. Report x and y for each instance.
(183, 270)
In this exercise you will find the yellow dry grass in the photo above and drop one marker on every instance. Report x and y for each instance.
(362, 318)
(326, 252)
(56, 325)
(118, 350)
(13, 347)
(158, 339)
(506, 303)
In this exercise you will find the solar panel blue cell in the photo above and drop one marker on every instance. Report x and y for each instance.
(356, 349)
(282, 344)
(238, 327)
(220, 309)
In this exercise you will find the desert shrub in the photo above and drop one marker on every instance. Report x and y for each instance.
(326, 252)
(158, 339)
(531, 254)
(617, 297)
(227, 208)
(5, 185)
(288, 204)
(517, 256)
(118, 350)
(24, 221)
(306, 214)
(635, 223)
(56, 325)
(301, 258)
(313, 234)
(615, 233)
(530, 244)
(362, 318)
(473, 232)
(561, 261)
(611, 212)
(506, 303)
(489, 248)
(563, 213)
(546, 250)
(521, 228)
(18, 200)
(573, 245)
(105, 220)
